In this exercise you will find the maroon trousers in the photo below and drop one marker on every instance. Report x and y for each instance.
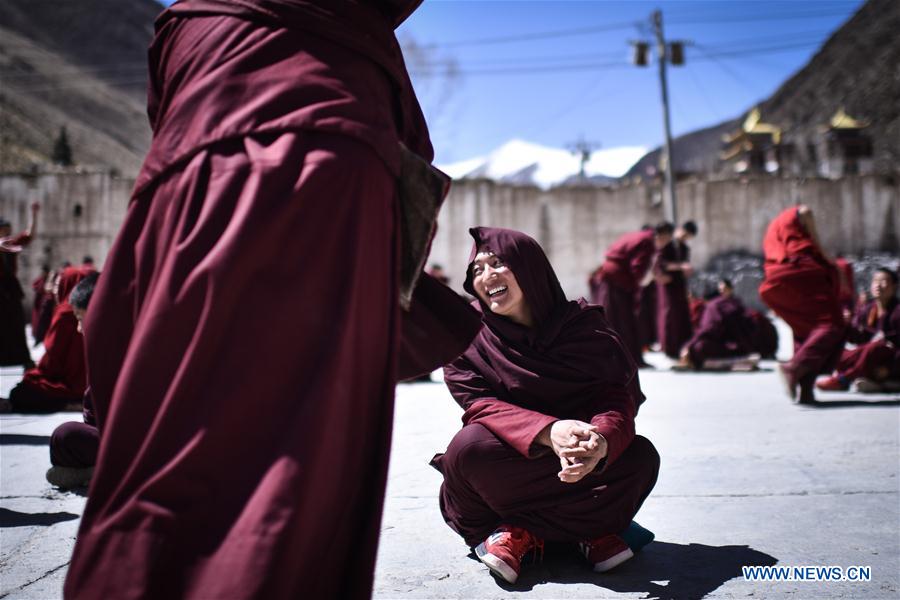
(74, 445)
(875, 360)
(487, 483)
(620, 308)
(673, 318)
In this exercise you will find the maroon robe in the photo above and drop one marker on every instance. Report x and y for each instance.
(616, 285)
(40, 296)
(802, 287)
(673, 315)
(13, 344)
(512, 382)
(765, 336)
(239, 460)
(59, 377)
(646, 319)
(878, 359)
(76, 445)
(725, 331)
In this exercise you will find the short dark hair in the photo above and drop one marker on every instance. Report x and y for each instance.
(890, 273)
(4, 223)
(87, 260)
(81, 293)
(727, 282)
(690, 227)
(664, 227)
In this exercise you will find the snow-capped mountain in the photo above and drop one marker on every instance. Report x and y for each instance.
(521, 162)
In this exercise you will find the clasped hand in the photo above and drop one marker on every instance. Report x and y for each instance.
(578, 445)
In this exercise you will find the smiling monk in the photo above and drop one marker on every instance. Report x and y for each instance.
(548, 449)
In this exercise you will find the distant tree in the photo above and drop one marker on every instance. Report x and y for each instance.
(62, 152)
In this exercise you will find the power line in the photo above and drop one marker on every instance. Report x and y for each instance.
(540, 35)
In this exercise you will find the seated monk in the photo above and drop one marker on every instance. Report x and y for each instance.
(874, 365)
(724, 338)
(802, 285)
(59, 377)
(74, 446)
(548, 449)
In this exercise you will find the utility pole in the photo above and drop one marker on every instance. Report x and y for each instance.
(665, 52)
(583, 149)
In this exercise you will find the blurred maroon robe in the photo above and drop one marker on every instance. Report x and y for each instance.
(802, 287)
(673, 315)
(13, 344)
(238, 460)
(876, 359)
(725, 331)
(616, 284)
(512, 382)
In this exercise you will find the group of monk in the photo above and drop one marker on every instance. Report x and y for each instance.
(643, 286)
(803, 286)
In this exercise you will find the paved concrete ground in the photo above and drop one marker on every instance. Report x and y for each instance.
(746, 479)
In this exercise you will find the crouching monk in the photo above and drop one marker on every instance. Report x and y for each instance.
(548, 449)
(801, 285)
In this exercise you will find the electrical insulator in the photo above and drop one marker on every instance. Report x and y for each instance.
(676, 53)
(639, 53)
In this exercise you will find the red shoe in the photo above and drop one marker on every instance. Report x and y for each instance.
(832, 384)
(503, 550)
(606, 552)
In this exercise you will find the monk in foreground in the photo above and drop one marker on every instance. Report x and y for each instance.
(802, 286)
(548, 449)
(240, 460)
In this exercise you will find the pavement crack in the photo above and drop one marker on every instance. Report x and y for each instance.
(33, 581)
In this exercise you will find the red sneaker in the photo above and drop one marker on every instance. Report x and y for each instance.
(832, 384)
(503, 550)
(606, 552)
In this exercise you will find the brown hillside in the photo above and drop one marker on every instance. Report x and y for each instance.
(81, 65)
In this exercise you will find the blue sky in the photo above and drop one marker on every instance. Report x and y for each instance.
(565, 74)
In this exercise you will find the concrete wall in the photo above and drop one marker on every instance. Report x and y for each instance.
(61, 235)
(574, 224)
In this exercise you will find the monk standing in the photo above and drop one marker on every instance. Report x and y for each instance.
(13, 345)
(240, 460)
(802, 286)
(673, 313)
(616, 284)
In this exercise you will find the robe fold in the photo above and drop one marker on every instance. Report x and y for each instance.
(240, 460)
(512, 382)
(877, 355)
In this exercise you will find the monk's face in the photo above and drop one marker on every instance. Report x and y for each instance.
(882, 288)
(662, 240)
(497, 287)
(724, 289)
(5, 231)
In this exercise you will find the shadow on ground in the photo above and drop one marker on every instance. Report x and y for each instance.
(851, 402)
(662, 570)
(18, 439)
(13, 518)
